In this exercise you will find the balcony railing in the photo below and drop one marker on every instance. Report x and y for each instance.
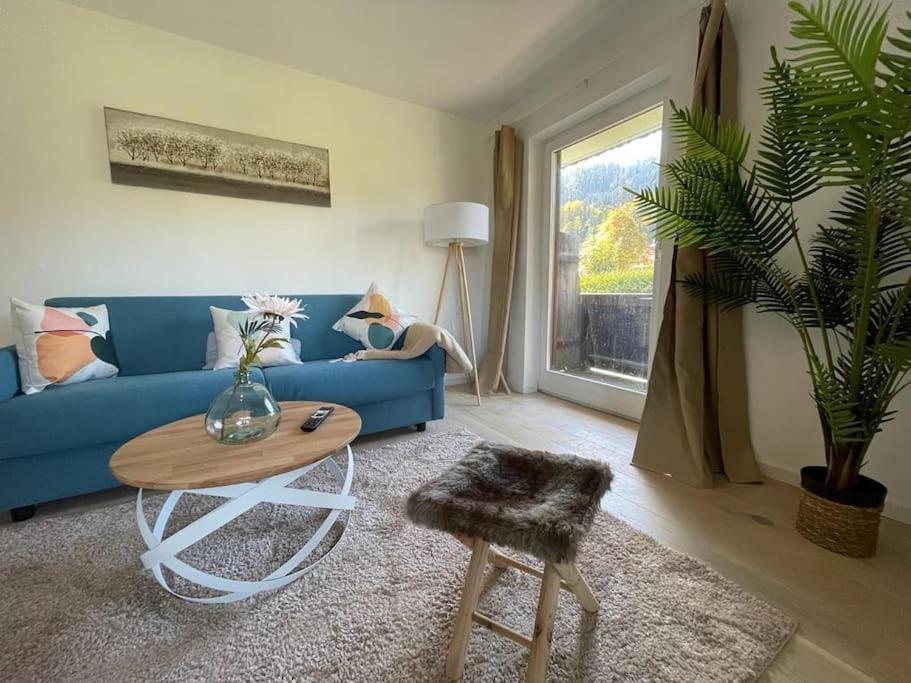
(602, 336)
(615, 332)
(606, 332)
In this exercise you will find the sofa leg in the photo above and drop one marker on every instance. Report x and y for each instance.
(23, 513)
(421, 426)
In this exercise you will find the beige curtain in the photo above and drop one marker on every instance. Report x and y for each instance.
(507, 193)
(695, 421)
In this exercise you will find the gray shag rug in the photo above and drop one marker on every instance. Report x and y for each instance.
(75, 604)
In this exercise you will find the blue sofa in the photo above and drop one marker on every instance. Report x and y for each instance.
(58, 443)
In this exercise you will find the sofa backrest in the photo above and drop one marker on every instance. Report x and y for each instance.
(154, 334)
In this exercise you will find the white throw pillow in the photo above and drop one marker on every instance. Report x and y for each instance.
(374, 321)
(212, 350)
(229, 348)
(61, 345)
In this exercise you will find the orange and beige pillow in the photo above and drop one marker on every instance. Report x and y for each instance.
(61, 345)
(374, 321)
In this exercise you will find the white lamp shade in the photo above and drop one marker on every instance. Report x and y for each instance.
(464, 222)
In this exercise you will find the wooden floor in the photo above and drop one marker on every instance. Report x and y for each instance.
(855, 615)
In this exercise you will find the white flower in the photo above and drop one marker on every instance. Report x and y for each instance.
(275, 306)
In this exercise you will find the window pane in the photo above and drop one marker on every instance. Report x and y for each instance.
(605, 255)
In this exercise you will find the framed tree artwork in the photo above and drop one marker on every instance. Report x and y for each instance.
(151, 151)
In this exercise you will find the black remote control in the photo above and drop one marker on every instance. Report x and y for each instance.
(317, 418)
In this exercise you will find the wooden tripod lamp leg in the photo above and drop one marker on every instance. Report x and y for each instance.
(436, 316)
(466, 313)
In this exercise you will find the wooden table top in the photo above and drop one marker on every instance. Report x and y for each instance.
(181, 455)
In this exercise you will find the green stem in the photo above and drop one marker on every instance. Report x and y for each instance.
(843, 466)
(250, 357)
(874, 217)
(814, 294)
(238, 379)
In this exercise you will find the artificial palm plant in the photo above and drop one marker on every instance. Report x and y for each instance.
(839, 116)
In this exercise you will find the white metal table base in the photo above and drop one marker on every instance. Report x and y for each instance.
(241, 497)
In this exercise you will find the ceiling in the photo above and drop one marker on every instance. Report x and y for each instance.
(475, 58)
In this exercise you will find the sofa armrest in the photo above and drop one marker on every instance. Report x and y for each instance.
(9, 373)
(438, 356)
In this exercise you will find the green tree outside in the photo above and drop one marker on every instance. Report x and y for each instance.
(619, 243)
(580, 218)
(614, 257)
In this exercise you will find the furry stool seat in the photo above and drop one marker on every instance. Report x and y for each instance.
(532, 501)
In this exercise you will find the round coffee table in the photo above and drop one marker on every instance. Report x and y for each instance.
(180, 457)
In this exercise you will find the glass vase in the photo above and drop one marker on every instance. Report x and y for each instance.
(243, 413)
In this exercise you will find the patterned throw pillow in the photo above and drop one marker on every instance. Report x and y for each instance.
(61, 345)
(374, 321)
(230, 348)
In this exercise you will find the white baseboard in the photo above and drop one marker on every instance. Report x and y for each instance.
(780, 474)
(897, 511)
(456, 378)
(519, 386)
(522, 388)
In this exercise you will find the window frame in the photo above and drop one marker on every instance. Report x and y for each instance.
(592, 392)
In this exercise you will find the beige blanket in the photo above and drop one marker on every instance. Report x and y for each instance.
(418, 339)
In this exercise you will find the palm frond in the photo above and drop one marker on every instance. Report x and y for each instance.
(831, 308)
(903, 44)
(840, 48)
(783, 166)
(705, 136)
(843, 278)
(675, 216)
(896, 76)
(898, 354)
(724, 213)
(835, 72)
(727, 290)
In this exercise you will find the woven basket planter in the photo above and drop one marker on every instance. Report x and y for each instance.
(850, 530)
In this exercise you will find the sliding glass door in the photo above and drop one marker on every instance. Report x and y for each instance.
(602, 265)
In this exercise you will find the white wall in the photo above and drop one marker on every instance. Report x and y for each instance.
(67, 230)
(786, 431)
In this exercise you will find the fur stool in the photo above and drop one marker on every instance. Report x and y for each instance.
(532, 501)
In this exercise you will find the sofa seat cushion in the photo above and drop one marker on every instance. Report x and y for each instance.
(351, 384)
(105, 410)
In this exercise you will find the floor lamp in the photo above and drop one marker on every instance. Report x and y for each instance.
(457, 225)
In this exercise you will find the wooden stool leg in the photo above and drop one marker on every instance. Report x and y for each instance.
(578, 586)
(455, 660)
(544, 625)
